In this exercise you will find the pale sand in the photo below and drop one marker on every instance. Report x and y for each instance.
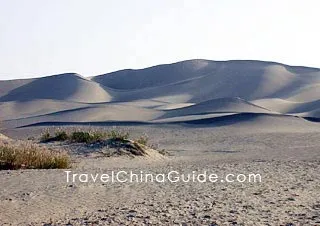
(287, 160)
(227, 117)
(163, 93)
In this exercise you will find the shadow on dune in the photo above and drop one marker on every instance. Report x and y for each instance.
(235, 119)
(212, 122)
(69, 86)
(110, 123)
(218, 105)
(312, 119)
(218, 79)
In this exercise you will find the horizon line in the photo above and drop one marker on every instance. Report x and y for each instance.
(162, 64)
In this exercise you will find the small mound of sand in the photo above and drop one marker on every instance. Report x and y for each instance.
(110, 148)
(129, 148)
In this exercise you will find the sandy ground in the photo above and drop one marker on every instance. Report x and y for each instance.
(220, 116)
(287, 195)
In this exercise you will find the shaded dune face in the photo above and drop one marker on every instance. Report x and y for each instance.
(287, 106)
(7, 86)
(155, 76)
(203, 80)
(188, 90)
(220, 105)
(66, 87)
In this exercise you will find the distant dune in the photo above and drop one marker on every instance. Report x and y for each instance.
(66, 87)
(8, 86)
(179, 92)
(219, 105)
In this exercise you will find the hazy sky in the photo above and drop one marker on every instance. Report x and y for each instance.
(91, 37)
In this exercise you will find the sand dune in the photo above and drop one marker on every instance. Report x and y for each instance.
(220, 105)
(183, 91)
(8, 86)
(156, 76)
(90, 113)
(309, 92)
(17, 109)
(290, 107)
(229, 117)
(68, 87)
(248, 80)
(247, 122)
(259, 121)
(315, 114)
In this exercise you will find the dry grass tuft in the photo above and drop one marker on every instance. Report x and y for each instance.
(118, 135)
(84, 136)
(30, 156)
(143, 140)
(115, 138)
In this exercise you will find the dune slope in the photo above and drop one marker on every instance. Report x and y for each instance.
(67, 87)
(201, 80)
(182, 91)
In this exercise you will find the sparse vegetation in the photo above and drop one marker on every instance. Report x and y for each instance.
(31, 156)
(61, 136)
(45, 136)
(87, 137)
(143, 140)
(81, 137)
(58, 136)
(118, 139)
(118, 135)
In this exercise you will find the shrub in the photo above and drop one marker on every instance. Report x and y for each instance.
(87, 137)
(118, 135)
(98, 136)
(143, 140)
(90, 136)
(30, 156)
(80, 137)
(45, 136)
(61, 136)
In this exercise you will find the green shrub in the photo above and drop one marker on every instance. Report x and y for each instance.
(30, 156)
(61, 136)
(45, 136)
(97, 136)
(87, 137)
(81, 137)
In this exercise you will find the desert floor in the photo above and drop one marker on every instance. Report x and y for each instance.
(287, 159)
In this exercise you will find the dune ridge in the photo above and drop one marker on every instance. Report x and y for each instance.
(182, 91)
(66, 87)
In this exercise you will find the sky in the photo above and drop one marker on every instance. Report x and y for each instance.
(93, 37)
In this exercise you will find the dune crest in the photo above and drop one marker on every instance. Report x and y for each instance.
(191, 89)
(66, 87)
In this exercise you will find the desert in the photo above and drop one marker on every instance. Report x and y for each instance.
(145, 113)
(236, 117)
